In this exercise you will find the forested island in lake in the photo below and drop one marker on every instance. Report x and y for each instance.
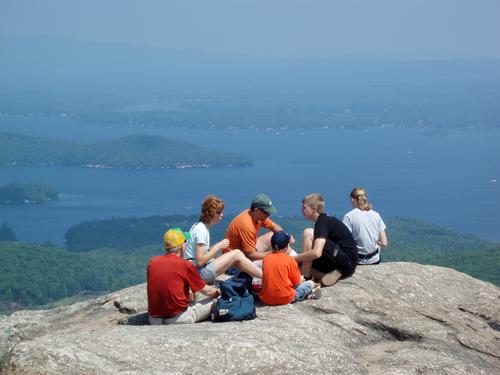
(17, 194)
(130, 152)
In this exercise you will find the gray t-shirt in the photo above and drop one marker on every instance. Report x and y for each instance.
(365, 227)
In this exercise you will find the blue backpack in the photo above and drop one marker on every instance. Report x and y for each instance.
(236, 303)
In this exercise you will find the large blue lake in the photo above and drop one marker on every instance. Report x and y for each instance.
(449, 181)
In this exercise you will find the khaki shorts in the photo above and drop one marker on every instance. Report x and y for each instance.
(193, 314)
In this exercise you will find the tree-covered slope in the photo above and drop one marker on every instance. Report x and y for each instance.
(33, 275)
(409, 240)
(138, 231)
(130, 152)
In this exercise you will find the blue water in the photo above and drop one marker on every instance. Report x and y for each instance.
(447, 181)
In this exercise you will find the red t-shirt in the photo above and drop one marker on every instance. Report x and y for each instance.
(280, 273)
(169, 280)
(242, 232)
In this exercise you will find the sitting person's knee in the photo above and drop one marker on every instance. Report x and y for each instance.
(237, 254)
(308, 233)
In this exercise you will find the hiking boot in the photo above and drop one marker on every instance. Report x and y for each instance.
(331, 278)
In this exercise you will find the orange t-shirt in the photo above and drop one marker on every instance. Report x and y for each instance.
(242, 232)
(280, 273)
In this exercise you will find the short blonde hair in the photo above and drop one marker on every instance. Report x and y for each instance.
(314, 201)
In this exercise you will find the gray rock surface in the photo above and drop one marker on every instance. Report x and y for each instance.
(395, 318)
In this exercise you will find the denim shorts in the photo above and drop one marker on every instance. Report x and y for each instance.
(207, 272)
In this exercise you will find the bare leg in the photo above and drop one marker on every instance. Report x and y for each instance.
(237, 259)
(264, 242)
(307, 244)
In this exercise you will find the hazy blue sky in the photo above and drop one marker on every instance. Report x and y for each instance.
(313, 28)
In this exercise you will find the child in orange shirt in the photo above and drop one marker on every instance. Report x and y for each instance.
(281, 278)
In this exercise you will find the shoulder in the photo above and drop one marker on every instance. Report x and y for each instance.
(154, 259)
(241, 218)
(355, 212)
(268, 223)
(183, 264)
(320, 221)
(374, 215)
(378, 218)
(349, 215)
(327, 219)
(322, 218)
(199, 227)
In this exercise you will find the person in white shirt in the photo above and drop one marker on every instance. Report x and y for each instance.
(204, 257)
(367, 228)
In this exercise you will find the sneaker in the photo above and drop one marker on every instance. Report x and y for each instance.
(256, 285)
(315, 294)
(331, 278)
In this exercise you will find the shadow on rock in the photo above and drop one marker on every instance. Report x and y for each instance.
(135, 320)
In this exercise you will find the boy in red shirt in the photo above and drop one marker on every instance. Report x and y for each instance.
(281, 278)
(169, 279)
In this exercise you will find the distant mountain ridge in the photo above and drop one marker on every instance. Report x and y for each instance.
(91, 80)
(61, 63)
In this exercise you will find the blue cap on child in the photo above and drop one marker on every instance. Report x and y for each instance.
(280, 240)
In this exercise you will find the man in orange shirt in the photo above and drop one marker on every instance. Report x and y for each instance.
(243, 230)
(281, 278)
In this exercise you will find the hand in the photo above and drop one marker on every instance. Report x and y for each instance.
(292, 240)
(224, 243)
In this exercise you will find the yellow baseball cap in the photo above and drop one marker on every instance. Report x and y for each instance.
(174, 237)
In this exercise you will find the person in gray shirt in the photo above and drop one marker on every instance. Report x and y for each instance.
(367, 227)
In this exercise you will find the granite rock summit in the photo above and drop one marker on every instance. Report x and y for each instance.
(395, 318)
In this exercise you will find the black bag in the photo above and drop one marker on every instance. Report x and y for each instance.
(236, 303)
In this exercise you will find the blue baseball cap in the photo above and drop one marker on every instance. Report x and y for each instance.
(280, 240)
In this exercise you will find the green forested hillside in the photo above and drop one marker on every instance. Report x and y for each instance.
(34, 275)
(123, 232)
(139, 231)
(412, 240)
(409, 240)
(130, 152)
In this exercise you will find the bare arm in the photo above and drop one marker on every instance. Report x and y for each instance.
(210, 291)
(257, 255)
(382, 240)
(314, 253)
(276, 227)
(202, 258)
